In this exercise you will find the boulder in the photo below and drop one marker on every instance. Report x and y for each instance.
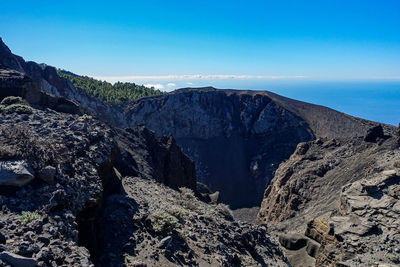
(47, 174)
(293, 241)
(17, 260)
(165, 242)
(312, 248)
(214, 198)
(374, 133)
(3, 239)
(15, 173)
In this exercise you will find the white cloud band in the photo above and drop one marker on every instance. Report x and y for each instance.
(155, 86)
(193, 77)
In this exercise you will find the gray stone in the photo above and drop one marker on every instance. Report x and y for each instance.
(2, 239)
(47, 174)
(293, 241)
(17, 260)
(138, 264)
(15, 173)
(312, 248)
(45, 254)
(165, 242)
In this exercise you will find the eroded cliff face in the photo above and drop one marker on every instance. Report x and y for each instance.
(236, 140)
(339, 198)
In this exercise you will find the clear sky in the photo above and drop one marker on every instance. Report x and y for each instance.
(320, 39)
(342, 54)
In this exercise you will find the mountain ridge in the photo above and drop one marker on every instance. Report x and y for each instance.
(262, 129)
(110, 191)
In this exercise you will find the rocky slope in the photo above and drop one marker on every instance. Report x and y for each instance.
(171, 228)
(65, 200)
(237, 139)
(348, 192)
(46, 79)
(253, 131)
(56, 171)
(75, 191)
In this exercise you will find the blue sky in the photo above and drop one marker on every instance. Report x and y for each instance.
(342, 54)
(322, 39)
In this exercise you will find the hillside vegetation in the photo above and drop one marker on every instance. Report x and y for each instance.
(105, 91)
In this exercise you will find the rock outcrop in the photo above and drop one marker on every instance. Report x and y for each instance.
(173, 228)
(343, 189)
(309, 183)
(15, 173)
(253, 131)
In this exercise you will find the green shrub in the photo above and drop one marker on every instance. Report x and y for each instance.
(219, 210)
(397, 164)
(17, 108)
(163, 222)
(187, 193)
(128, 259)
(178, 212)
(9, 100)
(85, 117)
(28, 216)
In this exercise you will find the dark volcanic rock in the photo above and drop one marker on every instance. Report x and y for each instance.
(237, 139)
(309, 183)
(13, 83)
(341, 188)
(172, 228)
(374, 134)
(165, 160)
(60, 217)
(15, 173)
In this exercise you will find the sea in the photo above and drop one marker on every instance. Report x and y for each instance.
(374, 100)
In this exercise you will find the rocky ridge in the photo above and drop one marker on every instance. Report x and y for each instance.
(75, 207)
(252, 130)
(91, 177)
(347, 191)
(75, 191)
(47, 82)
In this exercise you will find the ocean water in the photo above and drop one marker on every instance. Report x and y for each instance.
(372, 100)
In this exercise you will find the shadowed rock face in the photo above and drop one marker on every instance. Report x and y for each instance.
(348, 191)
(236, 141)
(238, 138)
